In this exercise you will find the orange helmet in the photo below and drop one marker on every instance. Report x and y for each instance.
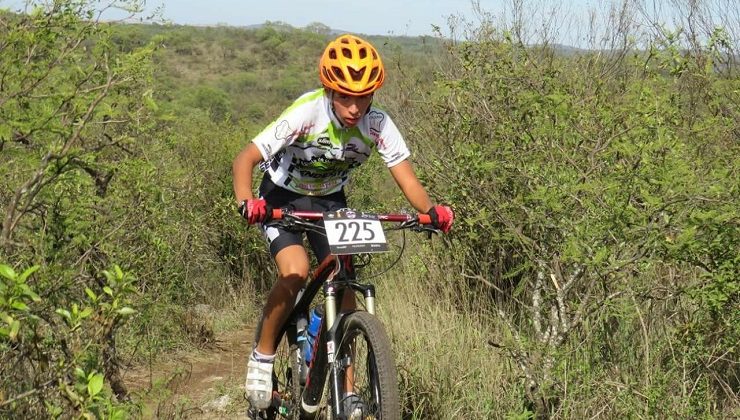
(351, 66)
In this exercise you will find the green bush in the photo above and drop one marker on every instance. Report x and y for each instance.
(574, 188)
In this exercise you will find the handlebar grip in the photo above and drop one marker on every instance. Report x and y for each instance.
(277, 214)
(425, 219)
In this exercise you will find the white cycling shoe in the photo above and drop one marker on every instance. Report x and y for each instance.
(259, 383)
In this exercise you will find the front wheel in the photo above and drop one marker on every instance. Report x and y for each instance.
(367, 372)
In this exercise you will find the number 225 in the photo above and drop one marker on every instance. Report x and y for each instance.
(346, 234)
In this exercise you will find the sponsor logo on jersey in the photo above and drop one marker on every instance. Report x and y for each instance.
(323, 141)
(375, 120)
(283, 131)
(267, 149)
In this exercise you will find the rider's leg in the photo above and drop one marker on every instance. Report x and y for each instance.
(292, 263)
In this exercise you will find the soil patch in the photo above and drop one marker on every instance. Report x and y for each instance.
(207, 384)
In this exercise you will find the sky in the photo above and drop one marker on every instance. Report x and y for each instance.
(375, 17)
(378, 17)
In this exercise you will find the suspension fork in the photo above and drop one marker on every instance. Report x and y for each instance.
(330, 312)
(332, 293)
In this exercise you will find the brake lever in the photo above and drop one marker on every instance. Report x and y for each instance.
(289, 221)
(417, 227)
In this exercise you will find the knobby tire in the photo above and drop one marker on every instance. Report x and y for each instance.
(363, 340)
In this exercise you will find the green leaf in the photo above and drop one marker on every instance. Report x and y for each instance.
(19, 306)
(22, 278)
(119, 272)
(79, 373)
(91, 294)
(86, 312)
(118, 414)
(95, 385)
(30, 293)
(14, 328)
(7, 272)
(126, 311)
(65, 313)
(108, 290)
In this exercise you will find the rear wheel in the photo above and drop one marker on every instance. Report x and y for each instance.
(286, 384)
(367, 371)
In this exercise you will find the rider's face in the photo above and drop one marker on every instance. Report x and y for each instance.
(351, 108)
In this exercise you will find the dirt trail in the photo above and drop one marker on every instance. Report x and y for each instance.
(208, 384)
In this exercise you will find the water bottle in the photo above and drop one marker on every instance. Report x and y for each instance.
(313, 330)
(302, 342)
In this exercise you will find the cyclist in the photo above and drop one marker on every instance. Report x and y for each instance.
(307, 155)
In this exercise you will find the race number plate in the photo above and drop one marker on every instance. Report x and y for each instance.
(352, 232)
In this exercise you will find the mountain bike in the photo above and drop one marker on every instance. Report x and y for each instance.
(352, 356)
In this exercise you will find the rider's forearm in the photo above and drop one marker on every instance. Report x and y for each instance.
(417, 196)
(242, 169)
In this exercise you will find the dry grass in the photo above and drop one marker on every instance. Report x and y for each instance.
(446, 368)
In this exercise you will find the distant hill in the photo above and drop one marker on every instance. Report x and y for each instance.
(316, 27)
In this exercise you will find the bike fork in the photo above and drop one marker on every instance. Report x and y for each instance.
(335, 366)
(330, 304)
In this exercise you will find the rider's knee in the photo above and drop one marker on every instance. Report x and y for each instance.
(294, 279)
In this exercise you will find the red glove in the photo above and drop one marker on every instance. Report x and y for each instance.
(255, 210)
(442, 217)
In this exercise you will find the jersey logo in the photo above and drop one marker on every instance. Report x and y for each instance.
(287, 134)
(267, 149)
(283, 131)
(375, 119)
(323, 141)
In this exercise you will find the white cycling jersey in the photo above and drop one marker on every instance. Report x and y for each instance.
(308, 151)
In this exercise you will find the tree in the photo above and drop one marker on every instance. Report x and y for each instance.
(70, 108)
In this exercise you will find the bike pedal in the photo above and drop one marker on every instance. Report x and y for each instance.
(282, 406)
(252, 414)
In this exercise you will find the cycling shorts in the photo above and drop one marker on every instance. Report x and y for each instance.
(280, 237)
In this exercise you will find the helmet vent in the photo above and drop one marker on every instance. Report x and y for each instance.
(363, 52)
(346, 53)
(338, 73)
(333, 54)
(327, 74)
(373, 73)
(356, 75)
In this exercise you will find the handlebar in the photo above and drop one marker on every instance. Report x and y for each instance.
(421, 218)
